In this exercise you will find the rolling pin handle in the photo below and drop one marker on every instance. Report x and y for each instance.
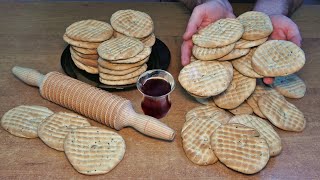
(27, 75)
(151, 126)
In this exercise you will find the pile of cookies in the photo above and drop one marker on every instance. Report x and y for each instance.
(230, 57)
(118, 52)
(243, 143)
(122, 60)
(90, 150)
(84, 37)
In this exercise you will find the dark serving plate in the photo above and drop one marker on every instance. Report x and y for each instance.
(159, 59)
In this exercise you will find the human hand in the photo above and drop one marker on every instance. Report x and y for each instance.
(283, 29)
(202, 16)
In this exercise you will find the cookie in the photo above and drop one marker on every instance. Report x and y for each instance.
(278, 58)
(119, 67)
(89, 30)
(240, 148)
(120, 48)
(257, 25)
(281, 113)
(229, 67)
(290, 86)
(117, 72)
(235, 53)
(265, 130)
(85, 50)
(132, 23)
(243, 65)
(245, 44)
(205, 111)
(208, 54)
(136, 73)
(260, 90)
(220, 33)
(119, 82)
(244, 108)
(23, 121)
(86, 56)
(196, 139)
(88, 69)
(94, 150)
(145, 53)
(149, 41)
(204, 78)
(239, 90)
(81, 44)
(53, 130)
(84, 61)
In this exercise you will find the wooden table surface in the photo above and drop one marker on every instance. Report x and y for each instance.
(31, 36)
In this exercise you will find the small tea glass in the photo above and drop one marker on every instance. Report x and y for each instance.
(156, 86)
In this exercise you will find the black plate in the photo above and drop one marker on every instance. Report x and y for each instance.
(159, 59)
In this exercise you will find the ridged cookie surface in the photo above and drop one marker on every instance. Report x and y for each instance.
(145, 53)
(259, 91)
(132, 23)
(208, 54)
(89, 30)
(218, 34)
(264, 128)
(240, 148)
(94, 150)
(196, 139)
(243, 65)
(204, 78)
(120, 48)
(23, 121)
(257, 25)
(240, 88)
(53, 130)
(281, 113)
(278, 58)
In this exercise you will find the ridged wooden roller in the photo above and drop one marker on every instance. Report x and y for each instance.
(99, 105)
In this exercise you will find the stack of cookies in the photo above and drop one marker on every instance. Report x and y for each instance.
(134, 24)
(230, 56)
(84, 37)
(90, 150)
(122, 60)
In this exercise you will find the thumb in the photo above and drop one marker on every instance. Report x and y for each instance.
(186, 49)
(194, 22)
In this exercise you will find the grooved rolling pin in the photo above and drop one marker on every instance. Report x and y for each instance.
(99, 105)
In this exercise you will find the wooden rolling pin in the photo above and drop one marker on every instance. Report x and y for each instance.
(99, 105)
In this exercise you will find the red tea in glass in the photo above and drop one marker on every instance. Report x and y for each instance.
(156, 86)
